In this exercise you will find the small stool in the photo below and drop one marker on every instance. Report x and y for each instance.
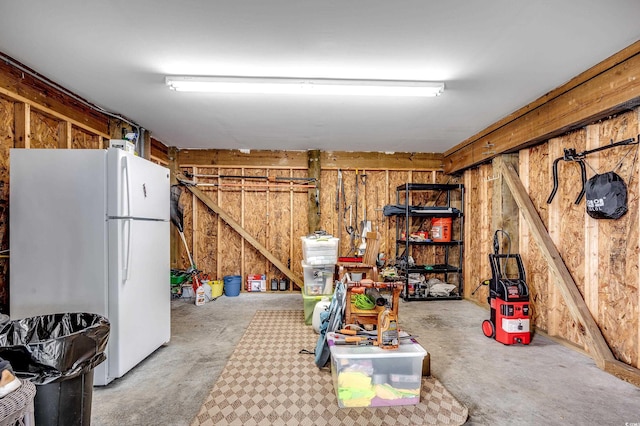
(17, 406)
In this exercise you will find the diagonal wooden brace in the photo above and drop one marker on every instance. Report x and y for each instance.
(240, 230)
(594, 340)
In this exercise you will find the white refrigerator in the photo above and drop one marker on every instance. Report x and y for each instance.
(89, 232)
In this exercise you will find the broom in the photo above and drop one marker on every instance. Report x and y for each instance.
(177, 218)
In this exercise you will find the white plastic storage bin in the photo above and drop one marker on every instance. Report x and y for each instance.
(318, 280)
(320, 250)
(367, 376)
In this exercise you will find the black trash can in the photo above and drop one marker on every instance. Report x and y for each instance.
(58, 353)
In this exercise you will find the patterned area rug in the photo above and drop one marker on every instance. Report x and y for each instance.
(268, 382)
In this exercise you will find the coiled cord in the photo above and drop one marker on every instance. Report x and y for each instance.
(362, 301)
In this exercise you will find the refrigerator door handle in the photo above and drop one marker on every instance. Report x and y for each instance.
(127, 184)
(126, 252)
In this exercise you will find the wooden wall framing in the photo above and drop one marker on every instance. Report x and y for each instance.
(275, 213)
(602, 256)
(608, 88)
(34, 115)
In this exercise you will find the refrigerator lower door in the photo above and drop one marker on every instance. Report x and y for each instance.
(139, 294)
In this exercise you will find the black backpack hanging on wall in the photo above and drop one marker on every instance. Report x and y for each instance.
(606, 195)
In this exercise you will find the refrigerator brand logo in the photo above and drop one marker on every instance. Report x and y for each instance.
(144, 190)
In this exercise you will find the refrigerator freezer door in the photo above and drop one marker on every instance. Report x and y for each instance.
(136, 187)
(139, 295)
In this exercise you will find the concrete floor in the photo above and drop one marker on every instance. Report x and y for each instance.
(545, 383)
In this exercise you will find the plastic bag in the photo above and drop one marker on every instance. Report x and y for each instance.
(606, 196)
(55, 347)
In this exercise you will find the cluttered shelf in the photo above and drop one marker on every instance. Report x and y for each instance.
(432, 268)
(429, 239)
(429, 242)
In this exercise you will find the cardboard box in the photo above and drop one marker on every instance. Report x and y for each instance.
(256, 283)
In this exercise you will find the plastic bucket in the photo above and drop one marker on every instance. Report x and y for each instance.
(216, 288)
(232, 285)
(441, 229)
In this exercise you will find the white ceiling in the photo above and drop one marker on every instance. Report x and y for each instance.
(495, 56)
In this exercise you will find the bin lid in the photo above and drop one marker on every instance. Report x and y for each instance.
(406, 349)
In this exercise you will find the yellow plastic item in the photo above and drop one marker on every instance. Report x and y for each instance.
(217, 287)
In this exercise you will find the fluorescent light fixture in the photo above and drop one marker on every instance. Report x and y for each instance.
(305, 86)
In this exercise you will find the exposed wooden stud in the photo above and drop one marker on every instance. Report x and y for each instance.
(467, 260)
(554, 301)
(175, 236)
(504, 211)
(591, 237)
(48, 111)
(219, 242)
(243, 257)
(637, 258)
(596, 345)
(22, 120)
(146, 145)
(65, 130)
(195, 232)
(313, 213)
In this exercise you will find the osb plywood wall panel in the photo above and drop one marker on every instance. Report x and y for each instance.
(206, 234)
(83, 140)
(299, 208)
(275, 213)
(253, 221)
(602, 255)
(44, 131)
(6, 142)
(186, 201)
(478, 235)
(328, 196)
(565, 227)
(618, 259)
(231, 202)
(541, 291)
(280, 240)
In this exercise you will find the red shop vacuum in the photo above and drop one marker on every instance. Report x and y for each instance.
(508, 298)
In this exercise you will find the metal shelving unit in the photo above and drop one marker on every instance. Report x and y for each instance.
(446, 256)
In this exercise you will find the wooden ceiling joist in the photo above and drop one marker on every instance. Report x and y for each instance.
(608, 88)
(330, 160)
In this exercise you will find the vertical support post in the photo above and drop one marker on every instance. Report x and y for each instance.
(313, 215)
(22, 120)
(172, 154)
(146, 144)
(64, 134)
(505, 214)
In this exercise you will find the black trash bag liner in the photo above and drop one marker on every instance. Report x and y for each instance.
(177, 211)
(56, 347)
(606, 196)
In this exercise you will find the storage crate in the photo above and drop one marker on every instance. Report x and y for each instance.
(318, 280)
(367, 376)
(320, 250)
(309, 305)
